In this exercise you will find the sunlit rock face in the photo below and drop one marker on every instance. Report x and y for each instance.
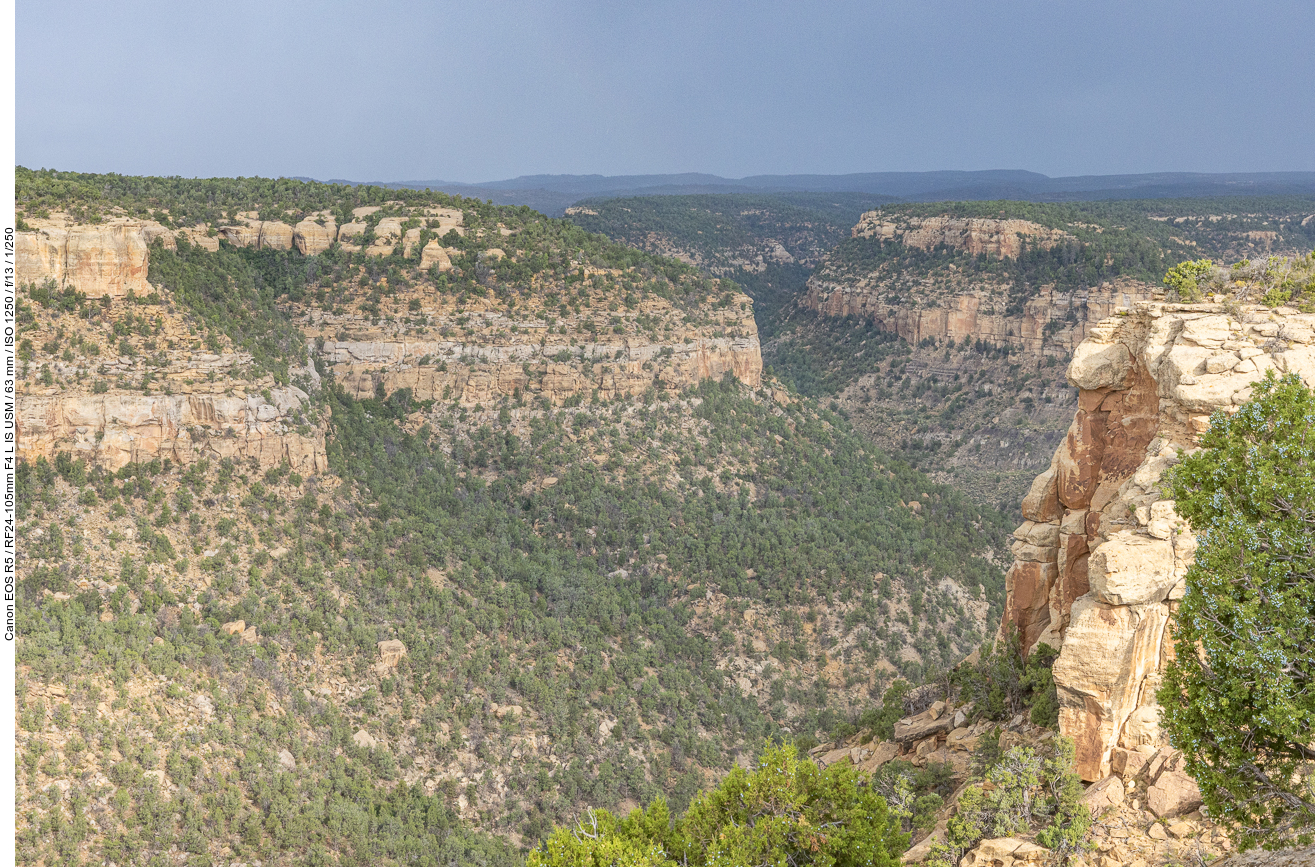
(1100, 561)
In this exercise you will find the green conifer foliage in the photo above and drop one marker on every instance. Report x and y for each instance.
(1239, 699)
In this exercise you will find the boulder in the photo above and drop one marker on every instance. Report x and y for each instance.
(364, 740)
(830, 757)
(1174, 794)
(962, 739)
(1130, 569)
(249, 635)
(390, 654)
(881, 754)
(233, 627)
(1004, 852)
(1104, 795)
(921, 727)
(1096, 365)
(286, 761)
(1128, 763)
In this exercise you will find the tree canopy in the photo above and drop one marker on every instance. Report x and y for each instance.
(786, 811)
(1239, 699)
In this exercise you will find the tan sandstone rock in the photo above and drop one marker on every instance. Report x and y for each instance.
(108, 260)
(1131, 569)
(390, 654)
(1104, 795)
(311, 238)
(1174, 794)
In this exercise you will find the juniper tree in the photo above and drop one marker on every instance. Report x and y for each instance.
(1239, 698)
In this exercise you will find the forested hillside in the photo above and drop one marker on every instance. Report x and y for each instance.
(409, 547)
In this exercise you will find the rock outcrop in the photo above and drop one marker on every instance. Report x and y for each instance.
(976, 236)
(499, 353)
(1100, 560)
(976, 311)
(116, 429)
(106, 259)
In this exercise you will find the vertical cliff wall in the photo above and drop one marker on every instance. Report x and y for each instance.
(1099, 562)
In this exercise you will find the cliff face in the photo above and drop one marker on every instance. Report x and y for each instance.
(166, 397)
(477, 356)
(943, 302)
(1100, 560)
(101, 260)
(117, 429)
(1060, 320)
(976, 236)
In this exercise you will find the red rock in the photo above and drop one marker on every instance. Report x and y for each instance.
(1079, 459)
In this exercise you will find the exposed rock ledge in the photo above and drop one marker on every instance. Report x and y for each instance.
(1000, 239)
(1099, 562)
(116, 429)
(1051, 319)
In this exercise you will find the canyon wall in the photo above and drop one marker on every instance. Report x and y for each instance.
(1051, 318)
(109, 259)
(116, 429)
(502, 353)
(163, 400)
(943, 302)
(976, 236)
(1099, 561)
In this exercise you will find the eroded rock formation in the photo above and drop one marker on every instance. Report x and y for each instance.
(974, 235)
(116, 429)
(977, 312)
(504, 353)
(1100, 560)
(106, 259)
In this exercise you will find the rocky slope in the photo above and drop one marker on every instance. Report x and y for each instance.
(118, 381)
(1099, 562)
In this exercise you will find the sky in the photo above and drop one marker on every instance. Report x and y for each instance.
(480, 91)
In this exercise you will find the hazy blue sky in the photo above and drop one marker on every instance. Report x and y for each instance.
(481, 90)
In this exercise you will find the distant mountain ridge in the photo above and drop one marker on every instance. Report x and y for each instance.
(552, 194)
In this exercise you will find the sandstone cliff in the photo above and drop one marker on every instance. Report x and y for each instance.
(478, 354)
(114, 430)
(943, 301)
(1100, 559)
(123, 382)
(1050, 318)
(976, 236)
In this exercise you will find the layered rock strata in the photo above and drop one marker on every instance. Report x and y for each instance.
(1050, 319)
(102, 260)
(500, 353)
(947, 303)
(976, 236)
(1100, 560)
(114, 430)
